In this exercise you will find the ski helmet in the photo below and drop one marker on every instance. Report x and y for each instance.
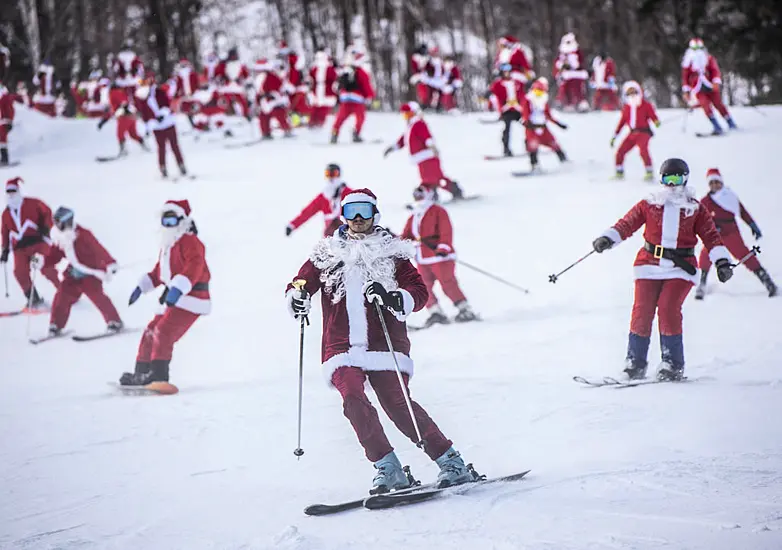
(63, 218)
(333, 171)
(674, 172)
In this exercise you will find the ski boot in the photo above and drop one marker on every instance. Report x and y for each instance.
(228, 134)
(635, 370)
(390, 475)
(731, 123)
(123, 152)
(534, 168)
(4, 157)
(649, 175)
(717, 131)
(146, 373)
(163, 172)
(561, 155)
(453, 470)
(668, 372)
(182, 169)
(54, 330)
(765, 278)
(334, 137)
(114, 326)
(357, 138)
(35, 302)
(465, 313)
(507, 152)
(620, 173)
(267, 137)
(437, 317)
(700, 292)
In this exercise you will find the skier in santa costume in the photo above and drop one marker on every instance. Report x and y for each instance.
(323, 79)
(665, 267)
(637, 114)
(430, 226)
(571, 75)
(26, 223)
(603, 81)
(419, 74)
(123, 110)
(452, 83)
(7, 113)
(361, 265)
(510, 51)
(182, 270)
(701, 81)
(231, 75)
(355, 93)
(154, 105)
(327, 202)
(45, 96)
(423, 151)
(127, 69)
(536, 113)
(272, 102)
(725, 207)
(89, 266)
(506, 97)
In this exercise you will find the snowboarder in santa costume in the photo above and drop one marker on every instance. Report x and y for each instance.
(26, 223)
(355, 93)
(154, 105)
(182, 271)
(361, 265)
(638, 114)
(89, 266)
(665, 267)
(701, 81)
(603, 81)
(725, 207)
(423, 151)
(506, 98)
(536, 114)
(327, 202)
(430, 226)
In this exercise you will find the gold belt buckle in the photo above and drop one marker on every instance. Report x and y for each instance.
(658, 251)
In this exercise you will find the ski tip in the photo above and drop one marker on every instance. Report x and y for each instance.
(317, 510)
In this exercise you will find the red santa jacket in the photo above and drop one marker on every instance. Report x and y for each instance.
(231, 74)
(697, 74)
(453, 76)
(156, 110)
(183, 266)
(294, 71)
(186, 82)
(7, 110)
(603, 73)
(570, 66)
(506, 94)
(535, 111)
(27, 225)
(326, 202)
(85, 255)
(354, 86)
(637, 117)
(669, 223)
(118, 99)
(127, 69)
(430, 226)
(352, 333)
(724, 206)
(418, 68)
(323, 79)
(419, 140)
(269, 92)
(43, 80)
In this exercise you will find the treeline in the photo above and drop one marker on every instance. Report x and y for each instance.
(646, 37)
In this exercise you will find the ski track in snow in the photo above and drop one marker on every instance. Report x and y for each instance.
(684, 467)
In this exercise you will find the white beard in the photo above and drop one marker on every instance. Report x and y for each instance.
(680, 196)
(14, 201)
(635, 100)
(373, 256)
(168, 236)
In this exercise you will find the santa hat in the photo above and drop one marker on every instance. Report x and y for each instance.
(631, 84)
(180, 208)
(509, 40)
(360, 195)
(13, 185)
(263, 65)
(713, 174)
(410, 107)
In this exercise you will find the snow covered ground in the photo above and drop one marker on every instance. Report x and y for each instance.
(685, 467)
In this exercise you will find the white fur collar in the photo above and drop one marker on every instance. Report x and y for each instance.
(681, 197)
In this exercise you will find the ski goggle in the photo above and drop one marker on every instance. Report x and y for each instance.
(169, 219)
(332, 172)
(674, 180)
(352, 210)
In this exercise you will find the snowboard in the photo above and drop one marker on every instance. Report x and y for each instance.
(502, 157)
(153, 388)
(375, 141)
(709, 134)
(101, 335)
(614, 383)
(48, 337)
(110, 159)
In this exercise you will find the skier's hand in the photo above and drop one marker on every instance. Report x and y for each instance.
(160, 118)
(4, 255)
(434, 150)
(613, 140)
(288, 230)
(36, 262)
(172, 296)
(299, 303)
(390, 149)
(134, 296)
(755, 230)
(108, 275)
(442, 250)
(657, 123)
(561, 125)
(9, 126)
(724, 270)
(601, 244)
(375, 292)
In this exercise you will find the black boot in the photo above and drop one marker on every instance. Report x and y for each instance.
(507, 152)
(146, 373)
(334, 137)
(36, 300)
(357, 138)
(635, 370)
(182, 169)
(668, 372)
(700, 292)
(533, 161)
(163, 172)
(437, 317)
(455, 190)
(765, 278)
(4, 156)
(561, 155)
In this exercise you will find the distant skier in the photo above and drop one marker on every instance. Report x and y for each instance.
(637, 114)
(26, 223)
(571, 75)
(323, 80)
(271, 100)
(154, 105)
(507, 95)
(423, 151)
(89, 266)
(603, 81)
(328, 202)
(536, 115)
(355, 93)
(725, 207)
(701, 81)
(7, 113)
(665, 267)
(182, 270)
(123, 110)
(430, 226)
(359, 266)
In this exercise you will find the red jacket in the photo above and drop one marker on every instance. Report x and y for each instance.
(352, 333)
(183, 266)
(570, 66)
(516, 58)
(330, 206)
(418, 138)
(84, 254)
(603, 73)
(533, 114)
(418, 67)
(294, 71)
(323, 79)
(637, 118)
(724, 206)
(127, 69)
(186, 82)
(28, 225)
(694, 78)
(507, 94)
(231, 74)
(354, 86)
(7, 110)
(269, 89)
(430, 226)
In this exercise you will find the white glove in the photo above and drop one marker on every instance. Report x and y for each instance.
(447, 89)
(36, 261)
(108, 275)
(298, 306)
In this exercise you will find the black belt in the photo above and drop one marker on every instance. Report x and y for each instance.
(676, 255)
(724, 221)
(29, 240)
(201, 286)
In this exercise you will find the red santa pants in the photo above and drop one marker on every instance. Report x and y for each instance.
(299, 103)
(423, 94)
(126, 127)
(535, 137)
(605, 99)
(448, 101)
(572, 92)
(157, 342)
(445, 273)
(345, 110)
(69, 293)
(735, 245)
(665, 296)
(188, 106)
(168, 136)
(22, 259)
(431, 173)
(318, 115)
(709, 98)
(3, 134)
(239, 100)
(279, 114)
(46, 108)
(633, 139)
(349, 381)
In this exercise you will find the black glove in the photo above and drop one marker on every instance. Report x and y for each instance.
(9, 126)
(755, 230)
(601, 244)
(102, 123)
(561, 125)
(724, 270)
(376, 293)
(4, 256)
(160, 118)
(288, 231)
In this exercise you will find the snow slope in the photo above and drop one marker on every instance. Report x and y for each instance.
(686, 467)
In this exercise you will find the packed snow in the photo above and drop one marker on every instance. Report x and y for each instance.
(693, 466)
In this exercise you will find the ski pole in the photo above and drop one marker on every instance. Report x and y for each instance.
(553, 278)
(33, 273)
(421, 443)
(754, 252)
(299, 286)
(5, 278)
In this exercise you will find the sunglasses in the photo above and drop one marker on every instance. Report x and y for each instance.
(170, 220)
(674, 180)
(353, 210)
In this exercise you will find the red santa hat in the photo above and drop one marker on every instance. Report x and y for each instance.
(180, 207)
(509, 40)
(360, 195)
(713, 174)
(13, 185)
(263, 65)
(410, 107)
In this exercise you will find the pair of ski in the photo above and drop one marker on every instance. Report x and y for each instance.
(414, 328)
(375, 141)
(80, 337)
(615, 383)
(24, 311)
(404, 497)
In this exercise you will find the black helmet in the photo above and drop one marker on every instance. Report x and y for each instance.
(333, 170)
(423, 49)
(63, 218)
(671, 168)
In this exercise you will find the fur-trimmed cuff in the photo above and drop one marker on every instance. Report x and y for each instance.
(612, 234)
(444, 247)
(408, 304)
(182, 283)
(146, 284)
(719, 253)
(429, 142)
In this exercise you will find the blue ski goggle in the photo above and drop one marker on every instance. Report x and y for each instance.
(674, 180)
(169, 219)
(352, 210)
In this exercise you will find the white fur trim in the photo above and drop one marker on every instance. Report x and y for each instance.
(182, 283)
(145, 284)
(719, 253)
(408, 304)
(658, 272)
(443, 246)
(358, 197)
(199, 306)
(367, 361)
(435, 259)
(727, 200)
(612, 234)
(174, 208)
(421, 156)
(355, 304)
(429, 142)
